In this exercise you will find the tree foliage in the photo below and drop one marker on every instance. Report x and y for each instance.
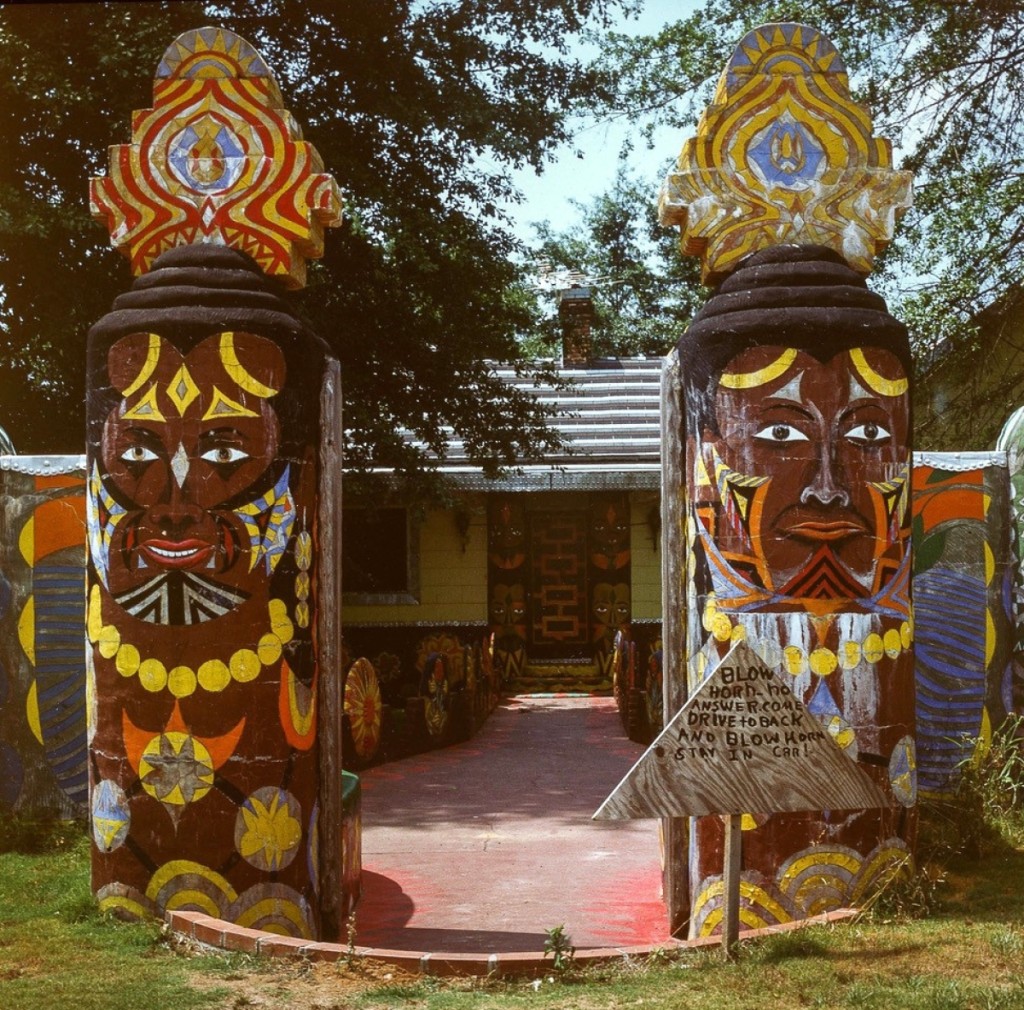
(421, 110)
(943, 80)
(644, 291)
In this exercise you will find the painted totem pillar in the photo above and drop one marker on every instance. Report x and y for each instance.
(212, 485)
(796, 461)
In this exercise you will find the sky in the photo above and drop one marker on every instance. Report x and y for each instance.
(548, 197)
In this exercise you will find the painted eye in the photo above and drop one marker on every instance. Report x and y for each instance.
(868, 433)
(138, 454)
(224, 454)
(780, 433)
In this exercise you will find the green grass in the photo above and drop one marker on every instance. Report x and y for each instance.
(58, 953)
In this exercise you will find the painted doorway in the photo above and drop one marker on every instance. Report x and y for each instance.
(558, 577)
(558, 626)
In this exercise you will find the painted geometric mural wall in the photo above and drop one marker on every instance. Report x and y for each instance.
(43, 769)
(962, 621)
(610, 574)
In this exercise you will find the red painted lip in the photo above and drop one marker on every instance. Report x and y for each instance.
(836, 530)
(177, 553)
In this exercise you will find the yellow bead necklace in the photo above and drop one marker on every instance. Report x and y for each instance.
(214, 675)
(821, 661)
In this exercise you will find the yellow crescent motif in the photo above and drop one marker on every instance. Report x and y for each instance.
(237, 371)
(215, 899)
(876, 383)
(148, 366)
(751, 380)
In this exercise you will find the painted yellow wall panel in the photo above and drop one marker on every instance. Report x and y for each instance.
(646, 560)
(452, 576)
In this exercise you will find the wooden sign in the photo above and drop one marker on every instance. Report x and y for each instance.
(743, 743)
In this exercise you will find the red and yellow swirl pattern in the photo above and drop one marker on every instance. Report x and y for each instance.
(218, 160)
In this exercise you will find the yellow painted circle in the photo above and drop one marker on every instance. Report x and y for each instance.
(302, 585)
(823, 662)
(152, 675)
(721, 627)
(893, 644)
(214, 675)
(873, 648)
(269, 649)
(849, 654)
(841, 732)
(128, 660)
(169, 791)
(181, 681)
(302, 614)
(109, 641)
(245, 665)
(796, 661)
(280, 622)
(739, 633)
(906, 637)
(710, 610)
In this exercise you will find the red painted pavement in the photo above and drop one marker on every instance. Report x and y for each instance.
(483, 846)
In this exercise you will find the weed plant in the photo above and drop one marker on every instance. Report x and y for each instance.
(559, 945)
(990, 789)
(982, 817)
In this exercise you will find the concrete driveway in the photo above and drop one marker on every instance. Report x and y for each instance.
(483, 846)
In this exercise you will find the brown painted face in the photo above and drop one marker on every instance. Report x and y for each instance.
(611, 604)
(507, 536)
(609, 530)
(187, 452)
(812, 461)
(508, 606)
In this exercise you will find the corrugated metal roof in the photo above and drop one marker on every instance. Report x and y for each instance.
(610, 417)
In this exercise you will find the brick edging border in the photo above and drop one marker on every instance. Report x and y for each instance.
(225, 935)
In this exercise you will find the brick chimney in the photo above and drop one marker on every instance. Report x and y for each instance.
(576, 313)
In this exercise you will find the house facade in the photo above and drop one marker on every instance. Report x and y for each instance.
(530, 578)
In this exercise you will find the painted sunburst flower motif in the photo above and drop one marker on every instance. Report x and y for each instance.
(447, 645)
(436, 690)
(268, 829)
(363, 707)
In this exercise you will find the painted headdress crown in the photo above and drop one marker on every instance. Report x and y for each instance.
(783, 155)
(218, 160)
